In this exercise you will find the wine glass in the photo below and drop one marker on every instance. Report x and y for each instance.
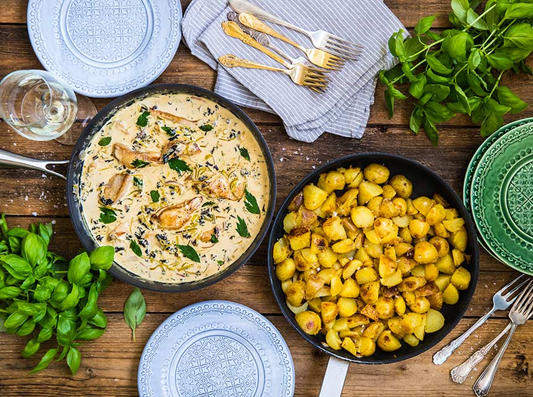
(37, 106)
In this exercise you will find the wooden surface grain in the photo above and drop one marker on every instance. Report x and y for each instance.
(109, 366)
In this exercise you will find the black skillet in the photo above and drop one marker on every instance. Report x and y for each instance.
(425, 182)
(75, 168)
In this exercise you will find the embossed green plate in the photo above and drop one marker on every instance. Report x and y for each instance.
(476, 158)
(501, 198)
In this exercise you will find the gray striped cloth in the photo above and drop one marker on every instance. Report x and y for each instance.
(344, 108)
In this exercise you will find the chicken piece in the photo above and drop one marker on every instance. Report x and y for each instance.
(127, 156)
(116, 188)
(121, 127)
(177, 148)
(206, 237)
(119, 232)
(176, 216)
(220, 186)
(175, 119)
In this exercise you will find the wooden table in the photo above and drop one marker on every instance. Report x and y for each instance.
(109, 365)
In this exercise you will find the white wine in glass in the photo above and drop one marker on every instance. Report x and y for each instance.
(37, 106)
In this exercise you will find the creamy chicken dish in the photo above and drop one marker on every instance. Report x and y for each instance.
(177, 184)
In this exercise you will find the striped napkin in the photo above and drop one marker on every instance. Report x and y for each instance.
(344, 108)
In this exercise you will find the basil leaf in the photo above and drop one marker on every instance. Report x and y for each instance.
(26, 328)
(463, 99)
(31, 348)
(142, 120)
(491, 123)
(135, 310)
(455, 46)
(406, 68)
(33, 248)
(251, 203)
(16, 266)
(460, 8)
(178, 165)
(135, 248)
(214, 238)
(424, 24)
(389, 100)
(45, 361)
(519, 35)
(474, 83)
(206, 127)
(474, 59)
(416, 120)
(436, 78)
(431, 132)
(154, 194)
(102, 257)
(436, 65)
(497, 108)
(519, 11)
(189, 252)
(242, 229)
(416, 89)
(90, 308)
(244, 153)
(45, 334)
(107, 215)
(472, 16)
(71, 300)
(99, 319)
(18, 232)
(90, 334)
(137, 182)
(66, 331)
(437, 112)
(9, 292)
(78, 268)
(105, 141)
(507, 98)
(500, 60)
(73, 360)
(138, 163)
(395, 93)
(440, 92)
(15, 320)
(169, 131)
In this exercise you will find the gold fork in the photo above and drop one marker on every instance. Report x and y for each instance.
(318, 57)
(299, 74)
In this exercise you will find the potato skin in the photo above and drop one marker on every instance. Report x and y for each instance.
(365, 264)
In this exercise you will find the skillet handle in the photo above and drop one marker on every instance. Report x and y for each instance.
(334, 378)
(17, 160)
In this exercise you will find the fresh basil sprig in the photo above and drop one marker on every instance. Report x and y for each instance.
(135, 310)
(45, 297)
(460, 70)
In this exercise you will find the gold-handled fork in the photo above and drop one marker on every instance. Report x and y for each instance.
(299, 74)
(318, 57)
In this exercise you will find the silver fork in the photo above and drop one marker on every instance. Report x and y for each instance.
(263, 38)
(500, 301)
(519, 314)
(321, 39)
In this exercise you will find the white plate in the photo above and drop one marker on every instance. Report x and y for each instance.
(216, 349)
(105, 48)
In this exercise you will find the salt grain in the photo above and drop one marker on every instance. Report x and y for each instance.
(34, 213)
(281, 159)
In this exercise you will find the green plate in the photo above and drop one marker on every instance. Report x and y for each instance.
(472, 166)
(501, 198)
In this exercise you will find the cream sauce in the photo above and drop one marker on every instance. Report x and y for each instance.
(226, 156)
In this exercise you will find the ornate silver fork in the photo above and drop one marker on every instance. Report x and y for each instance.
(519, 314)
(500, 301)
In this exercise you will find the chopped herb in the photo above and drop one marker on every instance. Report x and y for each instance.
(137, 182)
(169, 131)
(208, 204)
(107, 215)
(178, 165)
(220, 262)
(206, 127)
(136, 249)
(242, 229)
(251, 203)
(244, 153)
(189, 252)
(142, 121)
(139, 163)
(105, 141)
(214, 238)
(154, 194)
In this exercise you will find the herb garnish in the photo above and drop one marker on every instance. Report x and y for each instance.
(107, 215)
(214, 238)
(242, 229)
(178, 165)
(154, 194)
(169, 131)
(135, 310)
(189, 252)
(244, 153)
(135, 248)
(137, 182)
(142, 121)
(105, 141)
(251, 203)
(208, 204)
(139, 163)
(220, 262)
(206, 127)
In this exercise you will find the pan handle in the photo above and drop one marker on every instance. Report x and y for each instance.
(17, 160)
(334, 378)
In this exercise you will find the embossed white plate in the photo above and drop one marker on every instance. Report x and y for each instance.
(216, 349)
(105, 48)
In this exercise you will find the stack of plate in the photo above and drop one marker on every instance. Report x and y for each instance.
(498, 190)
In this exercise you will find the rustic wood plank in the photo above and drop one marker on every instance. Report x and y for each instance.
(14, 11)
(109, 366)
(250, 283)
